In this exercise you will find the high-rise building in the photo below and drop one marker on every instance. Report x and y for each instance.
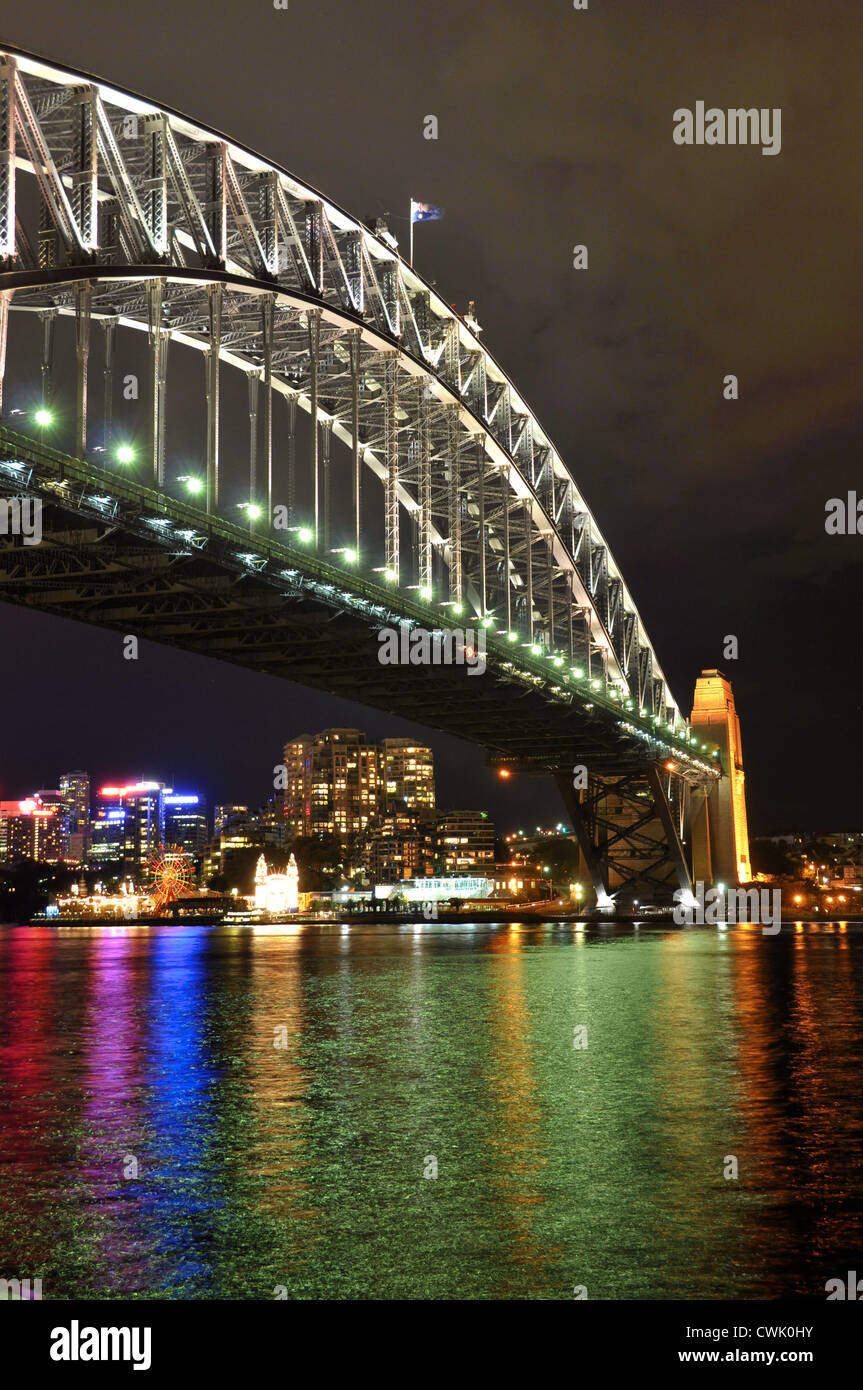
(720, 836)
(333, 783)
(222, 815)
(142, 817)
(408, 773)
(107, 835)
(75, 789)
(464, 842)
(401, 844)
(185, 822)
(32, 829)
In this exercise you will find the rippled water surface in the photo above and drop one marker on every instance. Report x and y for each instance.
(400, 1051)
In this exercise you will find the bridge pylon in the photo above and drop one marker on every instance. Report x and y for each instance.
(719, 830)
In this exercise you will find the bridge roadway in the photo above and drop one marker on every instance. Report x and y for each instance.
(123, 557)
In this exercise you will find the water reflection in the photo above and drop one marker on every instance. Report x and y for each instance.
(194, 1112)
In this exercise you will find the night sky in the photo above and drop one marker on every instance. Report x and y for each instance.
(555, 129)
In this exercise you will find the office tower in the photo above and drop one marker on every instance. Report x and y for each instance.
(185, 822)
(75, 790)
(142, 816)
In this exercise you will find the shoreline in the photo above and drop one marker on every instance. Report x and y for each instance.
(510, 917)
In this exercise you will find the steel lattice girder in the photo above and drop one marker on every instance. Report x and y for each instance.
(127, 558)
(130, 193)
(629, 828)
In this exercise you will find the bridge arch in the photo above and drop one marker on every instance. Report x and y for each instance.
(133, 216)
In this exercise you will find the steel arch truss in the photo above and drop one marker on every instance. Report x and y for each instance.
(135, 216)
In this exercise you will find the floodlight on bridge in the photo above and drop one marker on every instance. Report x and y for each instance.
(228, 257)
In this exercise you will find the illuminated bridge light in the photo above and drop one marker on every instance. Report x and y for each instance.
(354, 337)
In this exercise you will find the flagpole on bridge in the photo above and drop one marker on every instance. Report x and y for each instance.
(412, 233)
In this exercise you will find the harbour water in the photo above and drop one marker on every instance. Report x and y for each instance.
(431, 1111)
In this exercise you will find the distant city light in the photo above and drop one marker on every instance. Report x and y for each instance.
(132, 790)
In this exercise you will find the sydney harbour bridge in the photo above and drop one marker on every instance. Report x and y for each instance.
(391, 473)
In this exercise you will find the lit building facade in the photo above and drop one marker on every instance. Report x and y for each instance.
(132, 817)
(223, 815)
(185, 823)
(401, 844)
(408, 773)
(464, 842)
(75, 790)
(275, 892)
(29, 829)
(333, 783)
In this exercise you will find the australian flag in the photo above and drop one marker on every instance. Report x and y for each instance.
(425, 212)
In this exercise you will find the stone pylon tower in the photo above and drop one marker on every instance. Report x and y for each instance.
(720, 836)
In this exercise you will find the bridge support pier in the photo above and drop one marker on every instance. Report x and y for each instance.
(629, 831)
